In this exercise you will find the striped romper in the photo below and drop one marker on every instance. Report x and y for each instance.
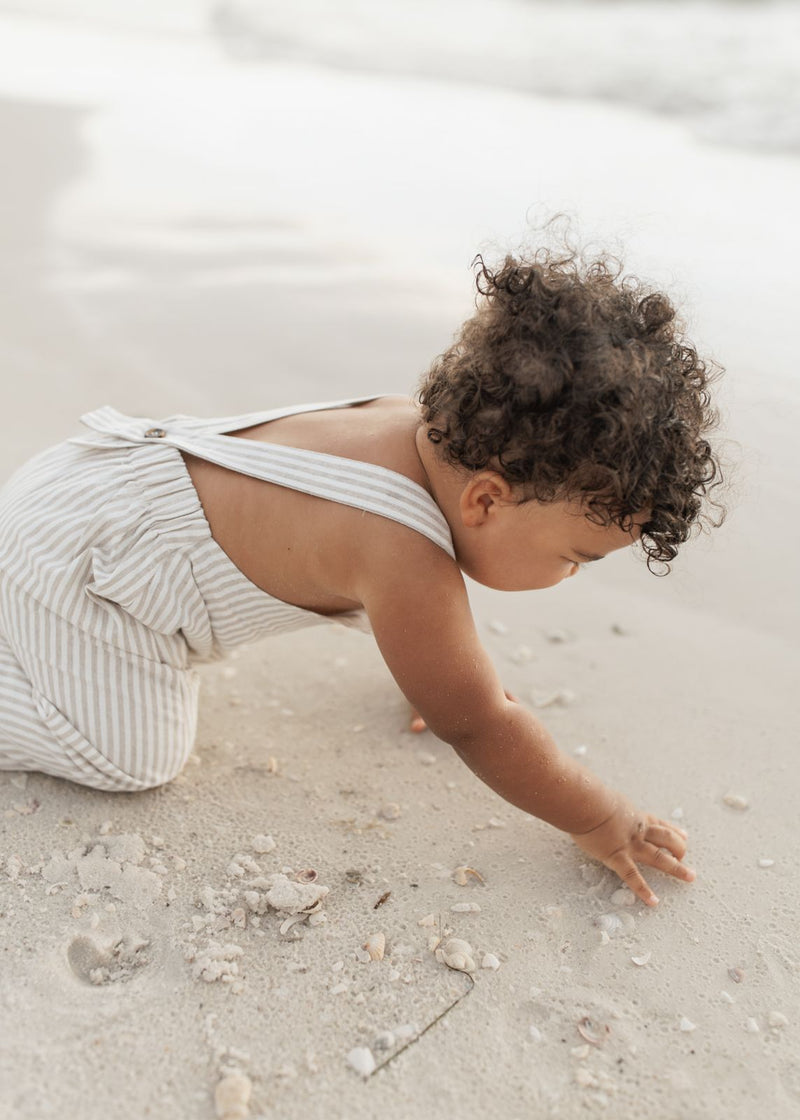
(112, 587)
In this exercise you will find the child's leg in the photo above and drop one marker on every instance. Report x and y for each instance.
(76, 707)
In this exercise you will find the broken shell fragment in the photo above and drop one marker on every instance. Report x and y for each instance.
(736, 974)
(643, 959)
(292, 920)
(461, 876)
(687, 1025)
(490, 961)
(465, 908)
(752, 1027)
(428, 921)
(232, 1097)
(777, 1020)
(294, 897)
(375, 946)
(307, 875)
(595, 1033)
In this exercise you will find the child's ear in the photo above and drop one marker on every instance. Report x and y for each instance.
(482, 497)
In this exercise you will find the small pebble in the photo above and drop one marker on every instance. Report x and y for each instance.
(581, 751)
(736, 801)
(677, 814)
(766, 863)
(465, 908)
(490, 961)
(535, 1033)
(777, 1020)
(752, 1027)
(727, 997)
(428, 921)
(263, 844)
(390, 811)
(361, 1060)
(687, 1025)
(498, 627)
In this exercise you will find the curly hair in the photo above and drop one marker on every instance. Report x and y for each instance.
(574, 382)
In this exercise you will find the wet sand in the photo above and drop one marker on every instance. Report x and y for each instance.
(141, 960)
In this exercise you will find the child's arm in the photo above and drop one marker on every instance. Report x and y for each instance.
(420, 615)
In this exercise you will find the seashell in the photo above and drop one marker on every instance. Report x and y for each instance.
(461, 876)
(643, 959)
(459, 961)
(434, 942)
(777, 1020)
(465, 908)
(623, 897)
(292, 920)
(307, 875)
(284, 894)
(595, 1033)
(610, 924)
(490, 961)
(736, 974)
(687, 1025)
(232, 1097)
(457, 954)
(375, 946)
(736, 801)
(752, 1027)
(361, 1059)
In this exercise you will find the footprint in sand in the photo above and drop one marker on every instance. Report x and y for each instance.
(114, 963)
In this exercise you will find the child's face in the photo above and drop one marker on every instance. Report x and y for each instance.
(531, 545)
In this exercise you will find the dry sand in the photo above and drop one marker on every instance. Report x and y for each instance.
(140, 959)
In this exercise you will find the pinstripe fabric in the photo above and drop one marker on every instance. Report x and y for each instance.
(112, 587)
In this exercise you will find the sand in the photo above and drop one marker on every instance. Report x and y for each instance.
(142, 961)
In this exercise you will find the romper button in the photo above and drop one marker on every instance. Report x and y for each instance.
(154, 433)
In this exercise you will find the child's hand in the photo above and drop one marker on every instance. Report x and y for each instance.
(629, 837)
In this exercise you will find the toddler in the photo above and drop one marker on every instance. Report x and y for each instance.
(567, 421)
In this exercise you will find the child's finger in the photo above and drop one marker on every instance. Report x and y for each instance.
(632, 878)
(662, 837)
(664, 860)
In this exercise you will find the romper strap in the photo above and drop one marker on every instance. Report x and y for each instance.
(350, 482)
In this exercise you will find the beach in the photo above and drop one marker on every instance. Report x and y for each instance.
(158, 259)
